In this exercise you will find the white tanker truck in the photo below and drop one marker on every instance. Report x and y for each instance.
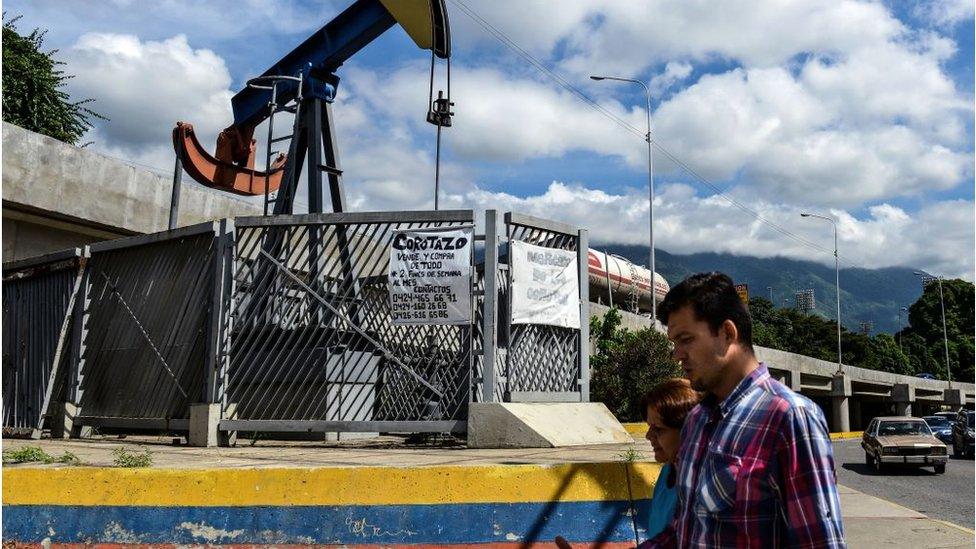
(627, 283)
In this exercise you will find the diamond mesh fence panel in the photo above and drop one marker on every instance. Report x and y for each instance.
(312, 334)
(539, 358)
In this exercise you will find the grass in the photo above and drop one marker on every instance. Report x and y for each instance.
(631, 455)
(34, 454)
(125, 458)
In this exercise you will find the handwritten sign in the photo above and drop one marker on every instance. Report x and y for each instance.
(545, 286)
(430, 277)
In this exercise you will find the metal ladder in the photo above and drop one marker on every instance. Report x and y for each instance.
(271, 83)
(634, 291)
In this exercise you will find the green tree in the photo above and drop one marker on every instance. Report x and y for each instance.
(925, 328)
(812, 335)
(626, 365)
(889, 357)
(33, 88)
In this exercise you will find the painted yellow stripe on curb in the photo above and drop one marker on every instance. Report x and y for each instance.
(327, 486)
(846, 435)
(953, 525)
(636, 430)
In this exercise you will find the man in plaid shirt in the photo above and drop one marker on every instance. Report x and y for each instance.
(755, 467)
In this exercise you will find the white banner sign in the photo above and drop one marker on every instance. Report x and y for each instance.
(545, 286)
(430, 277)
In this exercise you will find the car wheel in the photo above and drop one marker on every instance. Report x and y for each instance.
(939, 469)
(867, 459)
(956, 451)
(878, 466)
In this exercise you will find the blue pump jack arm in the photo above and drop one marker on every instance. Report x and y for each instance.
(321, 54)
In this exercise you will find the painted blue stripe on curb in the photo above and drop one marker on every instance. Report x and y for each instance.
(354, 524)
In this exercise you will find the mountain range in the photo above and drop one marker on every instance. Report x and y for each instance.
(873, 295)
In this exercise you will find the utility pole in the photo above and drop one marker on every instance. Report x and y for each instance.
(840, 362)
(650, 182)
(901, 328)
(945, 333)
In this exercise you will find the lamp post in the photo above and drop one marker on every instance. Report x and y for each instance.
(945, 334)
(840, 362)
(901, 328)
(650, 181)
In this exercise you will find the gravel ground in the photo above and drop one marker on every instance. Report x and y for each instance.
(946, 497)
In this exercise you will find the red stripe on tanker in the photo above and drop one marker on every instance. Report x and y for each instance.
(625, 279)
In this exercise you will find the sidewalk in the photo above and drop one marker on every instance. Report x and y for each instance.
(869, 521)
(874, 522)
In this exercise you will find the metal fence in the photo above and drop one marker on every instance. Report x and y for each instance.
(146, 334)
(532, 362)
(283, 321)
(37, 297)
(313, 345)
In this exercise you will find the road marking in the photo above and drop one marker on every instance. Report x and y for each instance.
(956, 526)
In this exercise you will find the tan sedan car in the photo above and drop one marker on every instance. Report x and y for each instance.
(903, 441)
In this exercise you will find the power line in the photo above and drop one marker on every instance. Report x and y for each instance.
(504, 39)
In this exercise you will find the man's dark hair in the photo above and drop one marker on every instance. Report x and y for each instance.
(714, 300)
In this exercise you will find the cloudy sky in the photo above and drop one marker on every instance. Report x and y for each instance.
(857, 109)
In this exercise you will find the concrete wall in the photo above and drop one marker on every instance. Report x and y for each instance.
(56, 196)
(590, 504)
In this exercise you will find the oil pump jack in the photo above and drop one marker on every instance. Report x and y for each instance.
(304, 82)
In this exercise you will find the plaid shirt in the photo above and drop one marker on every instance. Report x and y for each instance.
(755, 470)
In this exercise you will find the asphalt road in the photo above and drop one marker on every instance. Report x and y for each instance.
(948, 496)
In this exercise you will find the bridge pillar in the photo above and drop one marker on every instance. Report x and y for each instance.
(857, 422)
(793, 380)
(840, 396)
(953, 398)
(903, 396)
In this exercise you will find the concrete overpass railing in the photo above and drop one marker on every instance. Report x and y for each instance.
(852, 399)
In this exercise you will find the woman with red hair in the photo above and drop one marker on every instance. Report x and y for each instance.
(666, 406)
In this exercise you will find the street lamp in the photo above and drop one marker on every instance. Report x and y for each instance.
(945, 334)
(901, 328)
(840, 363)
(650, 181)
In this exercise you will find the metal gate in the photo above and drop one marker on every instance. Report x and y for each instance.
(38, 294)
(149, 331)
(313, 345)
(532, 362)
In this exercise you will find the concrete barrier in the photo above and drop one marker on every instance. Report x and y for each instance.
(501, 505)
(542, 425)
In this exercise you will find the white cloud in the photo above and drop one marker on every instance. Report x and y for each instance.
(628, 37)
(500, 117)
(144, 88)
(805, 139)
(938, 237)
(674, 72)
(779, 132)
(212, 20)
(946, 12)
